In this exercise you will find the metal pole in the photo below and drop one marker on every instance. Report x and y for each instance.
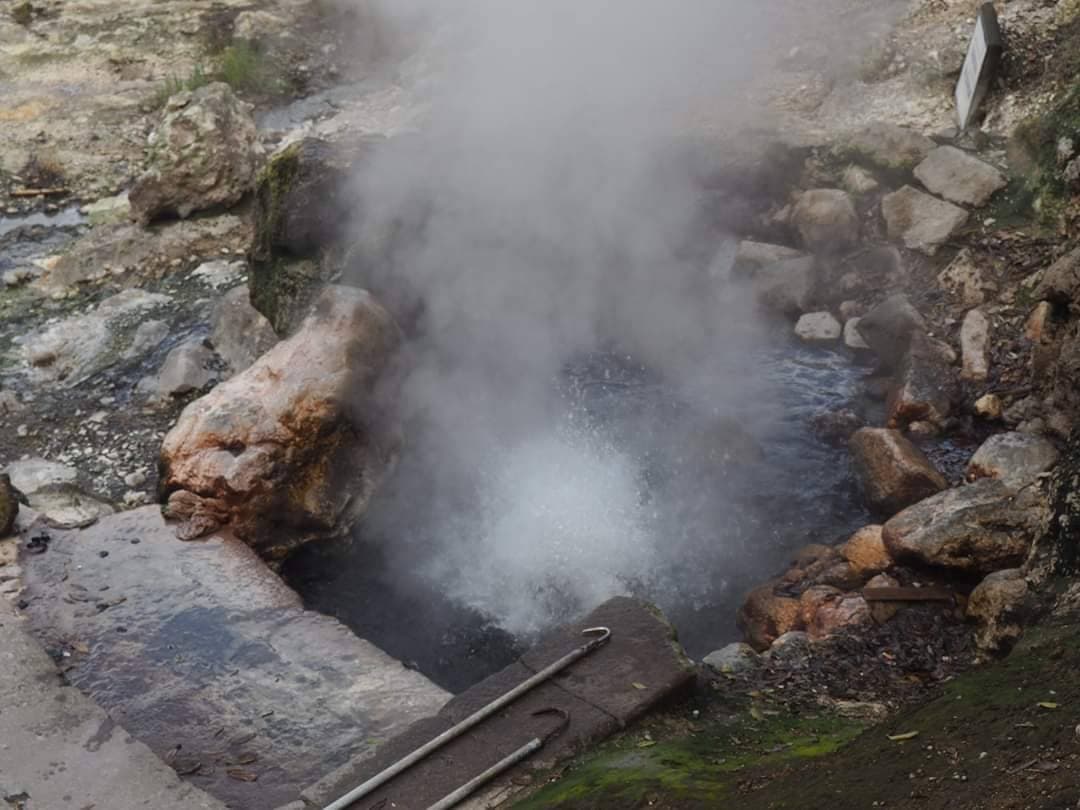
(504, 764)
(381, 778)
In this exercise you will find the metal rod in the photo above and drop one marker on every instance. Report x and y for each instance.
(384, 776)
(504, 764)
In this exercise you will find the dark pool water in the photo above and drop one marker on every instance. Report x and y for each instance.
(719, 502)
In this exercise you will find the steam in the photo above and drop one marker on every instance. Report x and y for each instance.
(544, 213)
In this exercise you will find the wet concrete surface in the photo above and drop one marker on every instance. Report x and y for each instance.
(640, 668)
(202, 653)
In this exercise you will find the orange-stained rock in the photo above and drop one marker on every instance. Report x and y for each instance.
(813, 598)
(293, 447)
(837, 613)
(892, 472)
(865, 551)
(765, 616)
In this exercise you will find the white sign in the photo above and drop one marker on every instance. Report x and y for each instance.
(983, 56)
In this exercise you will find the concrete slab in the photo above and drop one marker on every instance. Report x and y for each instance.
(59, 749)
(640, 667)
(202, 653)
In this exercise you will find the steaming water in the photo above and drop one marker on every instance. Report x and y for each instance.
(632, 491)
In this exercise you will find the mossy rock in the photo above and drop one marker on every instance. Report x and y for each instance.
(22, 13)
(1033, 150)
(9, 506)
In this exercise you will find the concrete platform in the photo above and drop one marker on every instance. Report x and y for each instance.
(202, 653)
(58, 749)
(641, 667)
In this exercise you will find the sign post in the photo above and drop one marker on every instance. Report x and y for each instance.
(980, 65)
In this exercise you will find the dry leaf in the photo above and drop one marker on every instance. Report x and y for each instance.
(911, 735)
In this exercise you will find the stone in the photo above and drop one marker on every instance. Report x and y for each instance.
(826, 220)
(919, 221)
(220, 274)
(239, 333)
(148, 336)
(1037, 326)
(888, 327)
(925, 387)
(880, 611)
(752, 256)
(818, 327)
(975, 346)
(972, 529)
(989, 407)
(1000, 604)
(135, 479)
(203, 155)
(299, 441)
(785, 287)
(791, 650)
(967, 280)
(732, 659)
(853, 339)
(1060, 282)
(858, 180)
(865, 551)
(888, 146)
(1016, 459)
(33, 474)
(838, 613)
(10, 404)
(892, 472)
(812, 599)
(959, 177)
(186, 369)
(836, 427)
(69, 352)
(67, 507)
(765, 616)
(108, 210)
(9, 506)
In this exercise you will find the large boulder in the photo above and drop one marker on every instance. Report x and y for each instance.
(925, 386)
(203, 155)
(785, 287)
(1016, 459)
(959, 177)
(892, 472)
(977, 528)
(766, 615)
(865, 551)
(306, 203)
(239, 333)
(921, 222)
(888, 327)
(292, 448)
(1000, 604)
(826, 219)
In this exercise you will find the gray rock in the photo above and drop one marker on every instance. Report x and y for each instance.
(147, 337)
(792, 649)
(826, 219)
(966, 280)
(977, 528)
(925, 386)
(785, 287)
(737, 657)
(108, 210)
(33, 474)
(239, 333)
(858, 180)
(888, 327)
(1016, 459)
(1001, 603)
(959, 177)
(975, 346)
(752, 256)
(818, 327)
(135, 479)
(203, 155)
(186, 369)
(852, 338)
(220, 274)
(68, 507)
(888, 146)
(892, 472)
(920, 221)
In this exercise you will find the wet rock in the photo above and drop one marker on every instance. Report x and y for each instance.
(865, 551)
(826, 220)
(888, 327)
(836, 427)
(9, 506)
(239, 333)
(1016, 459)
(976, 528)
(736, 657)
(925, 387)
(75, 349)
(1000, 604)
(300, 440)
(989, 407)
(975, 346)
(888, 146)
(203, 155)
(818, 327)
(752, 256)
(765, 616)
(305, 202)
(967, 280)
(959, 177)
(920, 221)
(837, 613)
(892, 472)
(858, 180)
(853, 339)
(186, 369)
(785, 287)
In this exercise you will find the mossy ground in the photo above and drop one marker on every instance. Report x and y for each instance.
(1000, 736)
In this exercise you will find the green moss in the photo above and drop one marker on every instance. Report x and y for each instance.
(177, 84)
(251, 70)
(1034, 147)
